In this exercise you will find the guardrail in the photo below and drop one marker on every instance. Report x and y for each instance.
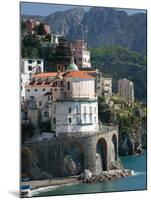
(104, 129)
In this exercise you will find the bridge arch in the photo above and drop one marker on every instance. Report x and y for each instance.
(101, 148)
(73, 159)
(114, 141)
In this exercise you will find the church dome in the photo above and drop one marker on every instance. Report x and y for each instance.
(72, 66)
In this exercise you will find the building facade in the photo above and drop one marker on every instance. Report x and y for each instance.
(28, 68)
(81, 54)
(75, 109)
(126, 90)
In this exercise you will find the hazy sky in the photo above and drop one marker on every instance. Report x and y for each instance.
(45, 9)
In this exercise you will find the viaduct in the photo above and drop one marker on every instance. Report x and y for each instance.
(88, 151)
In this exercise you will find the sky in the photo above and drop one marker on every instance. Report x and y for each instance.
(45, 9)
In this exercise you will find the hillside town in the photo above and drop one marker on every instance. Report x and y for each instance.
(40, 88)
(70, 116)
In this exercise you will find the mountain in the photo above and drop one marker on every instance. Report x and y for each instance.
(100, 26)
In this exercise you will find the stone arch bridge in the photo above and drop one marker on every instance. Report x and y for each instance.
(71, 153)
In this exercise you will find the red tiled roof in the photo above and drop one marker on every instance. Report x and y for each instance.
(46, 74)
(78, 74)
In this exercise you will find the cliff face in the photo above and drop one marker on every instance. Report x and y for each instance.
(100, 26)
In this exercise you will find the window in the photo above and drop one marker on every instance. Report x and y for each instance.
(94, 109)
(95, 119)
(32, 97)
(25, 117)
(29, 68)
(38, 61)
(70, 120)
(84, 118)
(84, 109)
(68, 85)
(40, 103)
(90, 118)
(28, 90)
(48, 98)
(54, 120)
(30, 61)
(69, 109)
(77, 120)
(90, 109)
(61, 83)
(77, 109)
(43, 89)
(46, 114)
(35, 90)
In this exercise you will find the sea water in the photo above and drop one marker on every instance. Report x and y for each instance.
(135, 182)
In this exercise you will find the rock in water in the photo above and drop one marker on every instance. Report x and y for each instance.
(85, 175)
(116, 165)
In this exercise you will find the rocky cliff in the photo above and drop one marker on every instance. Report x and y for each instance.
(100, 26)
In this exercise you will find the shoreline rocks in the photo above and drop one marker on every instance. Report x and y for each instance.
(104, 176)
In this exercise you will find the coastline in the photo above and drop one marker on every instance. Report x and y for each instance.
(44, 185)
(51, 184)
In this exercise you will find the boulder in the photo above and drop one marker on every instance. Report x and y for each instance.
(85, 175)
(116, 165)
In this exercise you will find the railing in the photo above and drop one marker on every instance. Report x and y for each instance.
(76, 134)
(104, 129)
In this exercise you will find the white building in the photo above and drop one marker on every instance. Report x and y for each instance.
(29, 65)
(28, 68)
(67, 98)
(126, 90)
(81, 54)
(75, 110)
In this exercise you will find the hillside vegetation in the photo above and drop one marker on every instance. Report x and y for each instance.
(119, 62)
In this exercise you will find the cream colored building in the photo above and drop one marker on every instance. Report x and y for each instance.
(126, 90)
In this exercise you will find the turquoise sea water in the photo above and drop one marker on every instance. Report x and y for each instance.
(135, 182)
